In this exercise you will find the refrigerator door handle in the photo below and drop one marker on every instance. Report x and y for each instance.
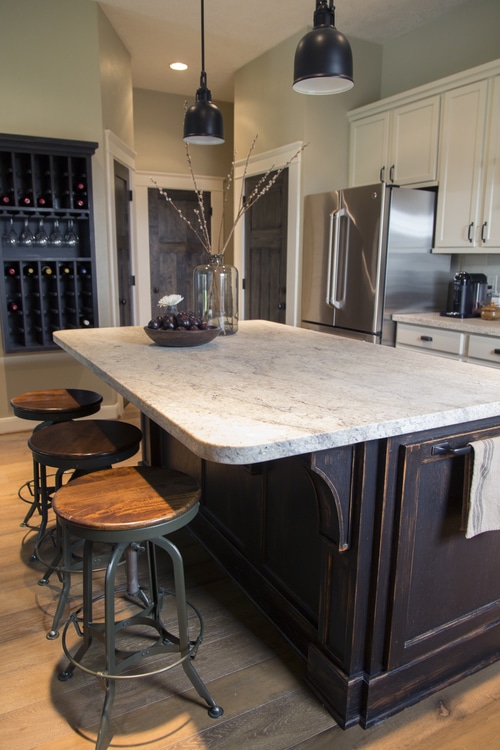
(333, 259)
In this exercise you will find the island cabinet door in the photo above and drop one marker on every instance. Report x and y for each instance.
(444, 602)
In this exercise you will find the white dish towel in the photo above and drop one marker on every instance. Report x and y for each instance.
(484, 500)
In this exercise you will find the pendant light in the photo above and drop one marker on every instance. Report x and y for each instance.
(323, 58)
(203, 122)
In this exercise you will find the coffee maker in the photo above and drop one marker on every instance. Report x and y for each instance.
(467, 294)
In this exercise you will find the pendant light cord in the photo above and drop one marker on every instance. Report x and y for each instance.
(203, 76)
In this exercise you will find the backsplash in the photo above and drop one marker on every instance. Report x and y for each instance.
(487, 264)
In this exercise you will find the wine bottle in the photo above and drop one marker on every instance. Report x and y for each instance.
(80, 184)
(65, 270)
(7, 198)
(80, 201)
(45, 200)
(85, 323)
(26, 198)
(29, 271)
(83, 270)
(11, 271)
(47, 270)
(13, 307)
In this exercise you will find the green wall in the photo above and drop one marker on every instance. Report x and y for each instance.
(50, 54)
(461, 39)
(159, 120)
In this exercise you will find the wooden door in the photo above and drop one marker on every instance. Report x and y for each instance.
(174, 250)
(122, 219)
(266, 251)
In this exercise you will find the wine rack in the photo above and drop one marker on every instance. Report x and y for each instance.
(47, 278)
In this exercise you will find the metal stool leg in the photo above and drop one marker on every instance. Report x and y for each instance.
(215, 711)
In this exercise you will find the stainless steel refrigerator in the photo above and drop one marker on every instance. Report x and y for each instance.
(366, 255)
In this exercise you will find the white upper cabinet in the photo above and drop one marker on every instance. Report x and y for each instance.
(460, 156)
(398, 146)
(490, 228)
(369, 145)
(468, 213)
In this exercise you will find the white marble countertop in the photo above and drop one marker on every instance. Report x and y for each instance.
(461, 325)
(272, 391)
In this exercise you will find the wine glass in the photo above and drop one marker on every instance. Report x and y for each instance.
(41, 237)
(26, 237)
(10, 237)
(71, 238)
(56, 236)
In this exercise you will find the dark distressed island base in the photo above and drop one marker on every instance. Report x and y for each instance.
(358, 556)
(325, 498)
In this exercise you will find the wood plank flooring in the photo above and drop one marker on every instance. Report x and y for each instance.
(247, 666)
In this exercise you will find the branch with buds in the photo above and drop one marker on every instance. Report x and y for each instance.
(201, 230)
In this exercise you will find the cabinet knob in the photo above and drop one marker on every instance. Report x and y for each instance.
(391, 173)
(425, 338)
(469, 231)
(382, 174)
(496, 351)
(483, 232)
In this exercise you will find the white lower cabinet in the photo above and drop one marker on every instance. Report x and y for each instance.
(469, 347)
(433, 340)
(484, 348)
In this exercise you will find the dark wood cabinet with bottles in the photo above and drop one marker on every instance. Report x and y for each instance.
(48, 279)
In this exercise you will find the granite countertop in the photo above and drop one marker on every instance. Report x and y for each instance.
(272, 390)
(461, 325)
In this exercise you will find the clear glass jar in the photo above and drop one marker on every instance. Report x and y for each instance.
(215, 287)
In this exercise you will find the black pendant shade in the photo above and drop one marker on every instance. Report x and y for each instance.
(203, 123)
(323, 58)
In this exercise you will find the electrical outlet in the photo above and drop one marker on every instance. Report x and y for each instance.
(492, 281)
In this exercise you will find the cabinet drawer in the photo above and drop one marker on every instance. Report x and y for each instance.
(430, 339)
(484, 347)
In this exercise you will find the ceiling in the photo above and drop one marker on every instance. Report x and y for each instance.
(159, 32)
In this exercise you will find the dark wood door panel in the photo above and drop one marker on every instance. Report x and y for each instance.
(444, 583)
(174, 249)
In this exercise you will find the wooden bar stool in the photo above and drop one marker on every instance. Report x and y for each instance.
(47, 408)
(82, 447)
(121, 506)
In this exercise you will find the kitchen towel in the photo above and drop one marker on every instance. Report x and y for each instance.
(484, 499)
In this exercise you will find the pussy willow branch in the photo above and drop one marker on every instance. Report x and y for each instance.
(264, 184)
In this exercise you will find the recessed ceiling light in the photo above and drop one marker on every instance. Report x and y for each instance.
(178, 66)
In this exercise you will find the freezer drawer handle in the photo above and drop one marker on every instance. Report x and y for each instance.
(446, 449)
(426, 338)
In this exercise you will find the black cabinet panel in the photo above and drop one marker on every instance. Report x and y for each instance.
(47, 274)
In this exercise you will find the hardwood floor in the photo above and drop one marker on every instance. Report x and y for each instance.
(246, 664)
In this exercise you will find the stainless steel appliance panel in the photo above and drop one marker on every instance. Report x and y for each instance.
(367, 254)
(358, 257)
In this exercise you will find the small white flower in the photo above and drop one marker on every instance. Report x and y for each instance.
(170, 300)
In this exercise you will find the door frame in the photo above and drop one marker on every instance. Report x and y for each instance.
(259, 164)
(116, 150)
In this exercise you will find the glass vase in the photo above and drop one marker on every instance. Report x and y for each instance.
(215, 287)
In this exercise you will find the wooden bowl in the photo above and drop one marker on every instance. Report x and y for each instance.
(182, 338)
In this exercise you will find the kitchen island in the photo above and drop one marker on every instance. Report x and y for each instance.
(333, 494)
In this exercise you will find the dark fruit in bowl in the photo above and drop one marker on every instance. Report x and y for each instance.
(181, 321)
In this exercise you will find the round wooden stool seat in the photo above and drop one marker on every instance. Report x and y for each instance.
(89, 445)
(56, 405)
(121, 507)
(130, 502)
